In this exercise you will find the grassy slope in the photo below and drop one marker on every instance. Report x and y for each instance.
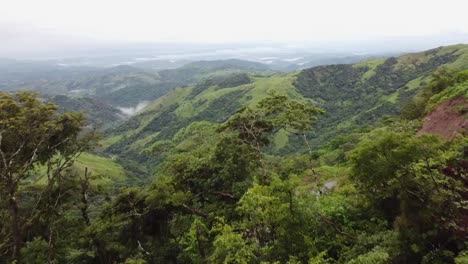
(370, 65)
(106, 170)
(103, 170)
(194, 108)
(457, 90)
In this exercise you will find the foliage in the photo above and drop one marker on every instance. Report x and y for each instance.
(231, 247)
(376, 256)
(33, 134)
(35, 251)
(405, 178)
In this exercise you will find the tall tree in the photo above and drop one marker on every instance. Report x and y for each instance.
(32, 134)
(254, 125)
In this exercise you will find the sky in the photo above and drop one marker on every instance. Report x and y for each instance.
(27, 25)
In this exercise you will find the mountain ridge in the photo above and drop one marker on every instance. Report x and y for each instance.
(351, 95)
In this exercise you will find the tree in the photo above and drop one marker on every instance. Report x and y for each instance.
(417, 184)
(254, 125)
(295, 117)
(32, 135)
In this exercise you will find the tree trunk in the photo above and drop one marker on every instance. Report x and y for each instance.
(15, 229)
(201, 250)
(51, 245)
(84, 198)
(258, 153)
(311, 160)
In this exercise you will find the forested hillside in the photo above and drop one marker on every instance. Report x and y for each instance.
(98, 113)
(232, 163)
(352, 97)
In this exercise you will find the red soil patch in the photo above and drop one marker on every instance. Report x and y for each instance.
(447, 119)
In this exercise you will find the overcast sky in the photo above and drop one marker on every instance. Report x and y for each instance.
(42, 24)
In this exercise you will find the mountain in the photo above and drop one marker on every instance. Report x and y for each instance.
(362, 93)
(15, 74)
(158, 65)
(352, 95)
(309, 60)
(127, 86)
(231, 64)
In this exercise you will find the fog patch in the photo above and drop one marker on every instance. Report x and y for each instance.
(131, 111)
(293, 59)
(77, 91)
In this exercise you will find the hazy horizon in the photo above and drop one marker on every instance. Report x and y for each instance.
(55, 29)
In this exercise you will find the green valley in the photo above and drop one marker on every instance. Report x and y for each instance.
(228, 161)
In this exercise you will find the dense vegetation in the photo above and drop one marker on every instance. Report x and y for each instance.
(310, 167)
(97, 112)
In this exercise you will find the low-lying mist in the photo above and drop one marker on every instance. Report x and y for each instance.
(131, 111)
